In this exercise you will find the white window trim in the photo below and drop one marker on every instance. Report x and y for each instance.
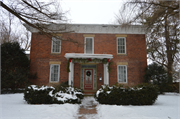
(118, 74)
(58, 73)
(52, 46)
(92, 45)
(117, 44)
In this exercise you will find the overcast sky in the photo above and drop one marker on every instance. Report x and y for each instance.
(92, 11)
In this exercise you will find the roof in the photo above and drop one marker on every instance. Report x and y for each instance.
(94, 28)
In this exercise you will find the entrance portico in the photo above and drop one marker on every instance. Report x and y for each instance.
(88, 76)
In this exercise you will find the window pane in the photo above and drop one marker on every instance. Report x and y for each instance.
(54, 72)
(56, 45)
(121, 45)
(122, 73)
(89, 45)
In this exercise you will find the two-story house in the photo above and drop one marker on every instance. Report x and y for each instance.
(86, 64)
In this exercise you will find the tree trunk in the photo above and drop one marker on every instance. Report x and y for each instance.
(169, 52)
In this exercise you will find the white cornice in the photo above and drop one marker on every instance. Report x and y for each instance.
(95, 28)
(84, 56)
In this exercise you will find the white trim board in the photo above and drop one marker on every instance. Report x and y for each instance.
(84, 56)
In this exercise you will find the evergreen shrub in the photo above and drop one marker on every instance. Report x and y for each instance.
(144, 94)
(157, 75)
(34, 94)
(174, 87)
(14, 67)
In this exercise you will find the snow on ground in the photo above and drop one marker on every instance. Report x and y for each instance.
(166, 107)
(12, 106)
(88, 101)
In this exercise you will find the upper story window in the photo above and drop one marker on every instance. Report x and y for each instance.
(121, 45)
(56, 45)
(89, 45)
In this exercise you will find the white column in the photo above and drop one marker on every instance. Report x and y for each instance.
(106, 74)
(70, 74)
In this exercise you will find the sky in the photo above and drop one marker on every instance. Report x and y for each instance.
(91, 11)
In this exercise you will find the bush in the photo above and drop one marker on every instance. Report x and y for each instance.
(144, 94)
(174, 87)
(9, 90)
(38, 95)
(157, 75)
(49, 95)
(14, 67)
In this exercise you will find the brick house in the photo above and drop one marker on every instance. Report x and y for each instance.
(89, 61)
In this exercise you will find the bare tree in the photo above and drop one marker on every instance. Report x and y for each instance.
(6, 32)
(161, 19)
(25, 40)
(43, 16)
(12, 30)
(124, 17)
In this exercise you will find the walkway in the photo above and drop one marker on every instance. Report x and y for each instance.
(87, 108)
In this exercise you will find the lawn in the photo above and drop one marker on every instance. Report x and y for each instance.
(12, 106)
(166, 107)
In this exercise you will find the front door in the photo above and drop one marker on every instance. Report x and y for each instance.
(88, 79)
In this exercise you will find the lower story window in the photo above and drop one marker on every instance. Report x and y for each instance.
(122, 74)
(54, 72)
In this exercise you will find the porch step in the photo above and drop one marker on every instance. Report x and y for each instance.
(89, 92)
(89, 95)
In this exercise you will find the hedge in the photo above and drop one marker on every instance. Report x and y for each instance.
(34, 94)
(144, 94)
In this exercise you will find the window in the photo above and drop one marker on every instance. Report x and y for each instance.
(122, 74)
(121, 45)
(54, 72)
(56, 45)
(89, 45)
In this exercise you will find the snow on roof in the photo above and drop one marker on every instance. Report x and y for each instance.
(92, 56)
(94, 28)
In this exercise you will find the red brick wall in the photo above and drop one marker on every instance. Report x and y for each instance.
(103, 44)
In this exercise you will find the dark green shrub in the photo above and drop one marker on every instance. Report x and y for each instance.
(9, 90)
(49, 95)
(144, 94)
(174, 87)
(157, 75)
(36, 95)
(14, 66)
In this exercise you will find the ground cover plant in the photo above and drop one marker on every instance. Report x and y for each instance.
(34, 94)
(143, 94)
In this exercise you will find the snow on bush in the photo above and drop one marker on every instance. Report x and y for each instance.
(48, 95)
(144, 94)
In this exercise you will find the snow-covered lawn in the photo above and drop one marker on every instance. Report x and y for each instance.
(12, 106)
(166, 107)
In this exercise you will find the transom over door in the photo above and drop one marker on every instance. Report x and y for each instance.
(88, 79)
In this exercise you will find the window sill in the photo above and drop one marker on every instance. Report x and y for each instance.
(122, 83)
(54, 82)
(121, 54)
(55, 53)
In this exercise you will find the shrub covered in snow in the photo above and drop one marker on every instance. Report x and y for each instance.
(144, 94)
(48, 95)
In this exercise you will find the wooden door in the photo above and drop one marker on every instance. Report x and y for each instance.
(88, 79)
